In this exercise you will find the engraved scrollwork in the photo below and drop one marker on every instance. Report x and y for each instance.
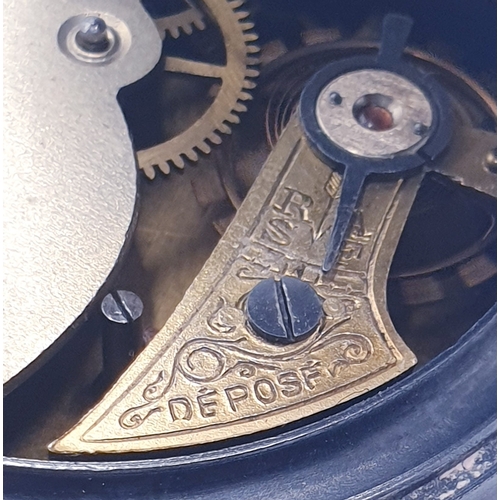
(350, 351)
(225, 319)
(201, 363)
(134, 417)
(204, 360)
(152, 391)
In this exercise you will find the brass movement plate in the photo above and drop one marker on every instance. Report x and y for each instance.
(207, 377)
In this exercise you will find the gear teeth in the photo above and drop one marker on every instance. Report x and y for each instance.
(192, 154)
(224, 129)
(189, 145)
(174, 32)
(200, 24)
(253, 49)
(149, 170)
(252, 61)
(242, 14)
(188, 29)
(250, 37)
(214, 138)
(240, 108)
(182, 22)
(247, 26)
(178, 161)
(248, 84)
(204, 147)
(232, 118)
(244, 96)
(164, 167)
(251, 73)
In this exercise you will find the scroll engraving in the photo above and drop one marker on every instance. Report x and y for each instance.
(202, 361)
(207, 376)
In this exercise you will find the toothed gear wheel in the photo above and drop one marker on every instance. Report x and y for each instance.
(236, 79)
(183, 21)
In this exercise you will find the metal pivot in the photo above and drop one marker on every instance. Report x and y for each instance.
(395, 33)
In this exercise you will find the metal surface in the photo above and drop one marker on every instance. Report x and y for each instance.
(68, 195)
(390, 112)
(182, 388)
(123, 336)
(122, 306)
(93, 36)
(364, 89)
(203, 377)
(350, 454)
(279, 88)
(424, 435)
(184, 21)
(234, 77)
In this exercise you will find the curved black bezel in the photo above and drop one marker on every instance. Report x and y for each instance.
(382, 447)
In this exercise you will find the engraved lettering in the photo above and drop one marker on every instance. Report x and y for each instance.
(261, 262)
(253, 272)
(352, 251)
(310, 373)
(206, 402)
(265, 391)
(311, 274)
(350, 281)
(358, 229)
(180, 409)
(235, 394)
(277, 232)
(295, 204)
(292, 385)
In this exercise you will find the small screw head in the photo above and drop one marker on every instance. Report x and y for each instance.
(93, 36)
(284, 311)
(490, 162)
(122, 307)
(335, 99)
(420, 129)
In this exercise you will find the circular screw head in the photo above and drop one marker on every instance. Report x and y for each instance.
(335, 99)
(284, 311)
(122, 307)
(93, 36)
(420, 129)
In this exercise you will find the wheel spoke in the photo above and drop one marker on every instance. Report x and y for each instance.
(198, 68)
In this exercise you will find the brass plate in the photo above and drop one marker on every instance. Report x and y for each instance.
(206, 377)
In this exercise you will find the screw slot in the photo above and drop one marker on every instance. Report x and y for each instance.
(284, 311)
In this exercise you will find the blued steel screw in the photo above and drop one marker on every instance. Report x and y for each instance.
(284, 311)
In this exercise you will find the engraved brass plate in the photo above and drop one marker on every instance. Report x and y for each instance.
(206, 376)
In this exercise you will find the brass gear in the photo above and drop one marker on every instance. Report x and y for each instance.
(235, 78)
(183, 21)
